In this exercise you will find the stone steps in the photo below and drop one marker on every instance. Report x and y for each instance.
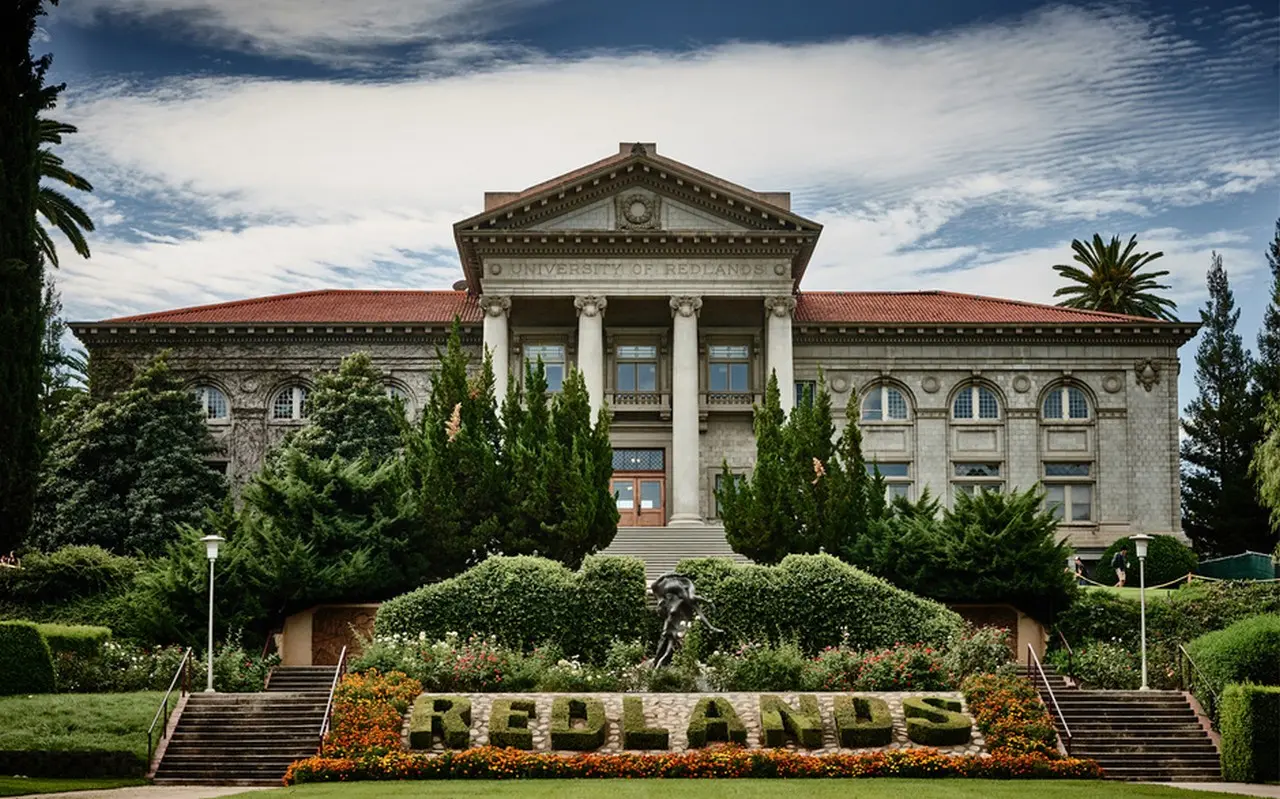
(661, 548)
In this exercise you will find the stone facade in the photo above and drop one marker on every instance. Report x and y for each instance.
(677, 294)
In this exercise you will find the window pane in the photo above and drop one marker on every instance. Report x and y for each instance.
(962, 408)
(646, 377)
(555, 376)
(1067, 469)
(282, 408)
(212, 401)
(637, 353)
(626, 491)
(626, 377)
(977, 470)
(300, 397)
(650, 494)
(718, 377)
(871, 406)
(1054, 498)
(899, 490)
(549, 353)
(890, 469)
(737, 377)
(728, 352)
(897, 404)
(1053, 405)
(805, 391)
(1077, 405)
(1081, 503)
(988, 406)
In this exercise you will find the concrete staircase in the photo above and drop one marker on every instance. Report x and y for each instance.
(248, 739)
(1152, 736)
(661, 548)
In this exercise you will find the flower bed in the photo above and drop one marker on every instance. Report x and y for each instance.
(1010, 714)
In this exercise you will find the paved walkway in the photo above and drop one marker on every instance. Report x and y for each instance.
(1238, 788)
(152, 792)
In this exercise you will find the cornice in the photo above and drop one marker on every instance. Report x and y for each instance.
(807, 333)
(262, 334)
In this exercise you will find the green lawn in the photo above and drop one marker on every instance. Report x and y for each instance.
(116, 722)
(733, 789)
(20, 786)
(1129, 592)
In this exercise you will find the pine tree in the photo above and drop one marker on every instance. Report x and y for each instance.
(126, 472)
(1265, 467)
(1221, 513)
(350, 415)
(1267, 369)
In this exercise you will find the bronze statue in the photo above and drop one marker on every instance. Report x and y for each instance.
(678, 605)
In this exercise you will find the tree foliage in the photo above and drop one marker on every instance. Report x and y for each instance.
(350, 415)
(1265, 467)
(1112, 280)
(1267, 368)
(1221, 513)
(54, 206)
(126, 472)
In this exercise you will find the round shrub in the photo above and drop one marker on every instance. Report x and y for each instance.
(817, 601)
(26, 665)
(1247, 651)
(1167, 559)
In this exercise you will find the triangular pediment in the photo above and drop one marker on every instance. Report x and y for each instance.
(637, 208)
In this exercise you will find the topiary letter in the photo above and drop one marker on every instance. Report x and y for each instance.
(935, 721)
(509, 723)
(446, 716)
(863, 721)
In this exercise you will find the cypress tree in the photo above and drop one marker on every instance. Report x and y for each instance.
(1267, 369)
(23, 95)
(349, 415)
(1221, 513)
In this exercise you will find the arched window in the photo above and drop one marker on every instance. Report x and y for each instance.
(290, 403)
(212, 401)
(884, 404)
(976, 402)
(1066, 402)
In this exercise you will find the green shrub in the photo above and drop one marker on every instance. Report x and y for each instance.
(1105, 666)
(68, 573)
(979, 650)
(934, 721)
(760, 667)
(26, 664)
(778, 719)
(777, 604)
(76, 640)
(526, 601)
(911, 667)
(714, 719)
(863, 721)
(1167, 559)
(509, 723)
(1247, 651)
(1250, 723)
(564, 709)
(635, 734)
(446, 716)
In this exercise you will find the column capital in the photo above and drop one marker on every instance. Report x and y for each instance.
(686, 306)
(780, 306)
(495, 304)
(590, 305)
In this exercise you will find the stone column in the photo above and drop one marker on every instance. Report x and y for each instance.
(778, 358)
(496, 340)
(591, 348)
(684, 413)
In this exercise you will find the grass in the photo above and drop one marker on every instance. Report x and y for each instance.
(1130, 592)
(21, 786)
(60, 722)
(733, 789)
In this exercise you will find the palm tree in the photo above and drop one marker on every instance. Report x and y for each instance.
(57, 208)
(1112, 280)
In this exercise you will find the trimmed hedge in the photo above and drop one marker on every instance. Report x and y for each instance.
(446, 716)
(75, 639)
(71, 764)
(526, 601)
(1167, 559)
(935, 721)
(778, 719)
(26, 664)
(817, 601)
(1247, 651)
(635, 734)
(1251, 733)
(509, 723)
(714, 719)
(564, 709)
(863, 721)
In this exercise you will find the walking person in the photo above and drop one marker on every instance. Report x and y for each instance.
(1120, 562)
(1079, 565)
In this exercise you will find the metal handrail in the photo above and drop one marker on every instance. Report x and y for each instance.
(1066, 731)
(1184, 655)
(1071, 655)
(184, 672)
(328, 707)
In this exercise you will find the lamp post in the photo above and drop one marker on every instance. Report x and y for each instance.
(211, 543)
(1140, 547)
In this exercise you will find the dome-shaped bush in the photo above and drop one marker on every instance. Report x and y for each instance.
(1167, 559)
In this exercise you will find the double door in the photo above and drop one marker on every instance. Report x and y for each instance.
(641, 499)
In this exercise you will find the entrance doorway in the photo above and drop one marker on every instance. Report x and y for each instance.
(640, 487)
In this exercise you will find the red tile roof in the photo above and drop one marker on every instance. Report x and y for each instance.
(333, 306)
(940, 307)
(324, 306)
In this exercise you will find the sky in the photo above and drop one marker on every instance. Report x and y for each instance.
(248, 147)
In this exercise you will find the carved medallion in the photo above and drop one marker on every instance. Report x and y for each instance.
(1147, 372)
(638, 211)
(1111, 384)
(839, 385)
(930, 384)
(1022, 384)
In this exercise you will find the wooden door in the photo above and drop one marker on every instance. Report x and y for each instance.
(641, 499)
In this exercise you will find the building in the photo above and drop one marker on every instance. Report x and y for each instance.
(677, 293)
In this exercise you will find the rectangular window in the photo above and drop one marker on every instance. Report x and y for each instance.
(715, 494)
(637, 369)
(727, 369)
(552, 356)
(638, 460)
(1067, 469)
(888, 470)
(897, 478)
(902, 490)
(806, 390)
(977, 469)
(973, 488)
(1072, 502)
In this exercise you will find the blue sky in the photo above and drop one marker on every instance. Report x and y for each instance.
(249, 147)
